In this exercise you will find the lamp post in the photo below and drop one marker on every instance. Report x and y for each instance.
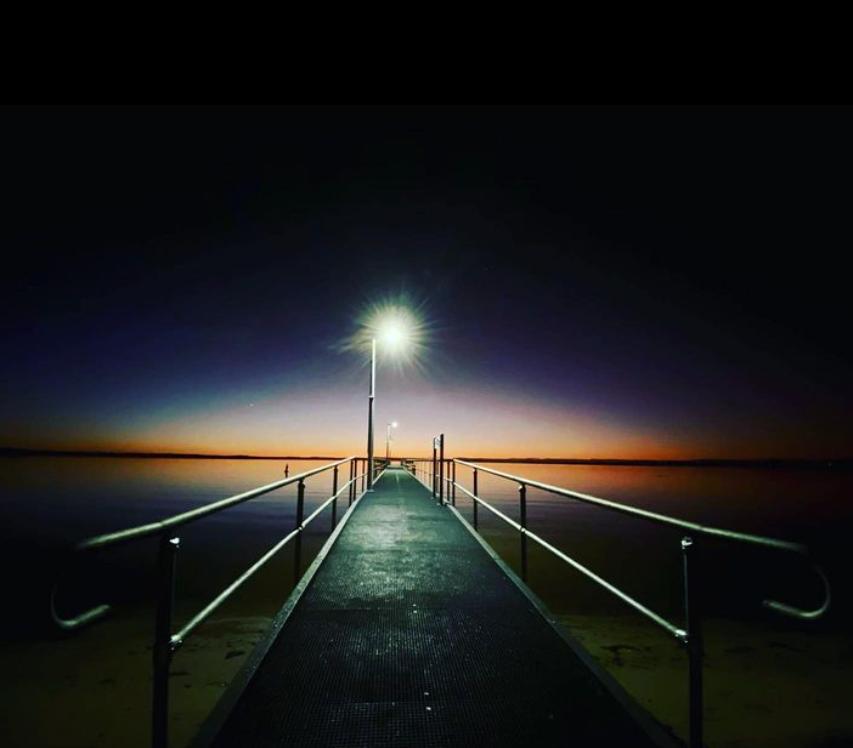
(371, 398)
(394, 330)
(391, 425)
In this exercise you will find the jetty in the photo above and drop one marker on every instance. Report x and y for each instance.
(407, 629)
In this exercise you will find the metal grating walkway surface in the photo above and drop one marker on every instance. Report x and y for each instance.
(410, 634)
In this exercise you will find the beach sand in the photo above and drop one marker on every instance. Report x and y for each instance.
(765, 685)
(95, 685)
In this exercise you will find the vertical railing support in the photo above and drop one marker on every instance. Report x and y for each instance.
(475, 494)
(453, 482)
(351, 486)
(297, 541)
(693, 614)
(335, 494)
(441, 470)
(163, 641)
(522, 501)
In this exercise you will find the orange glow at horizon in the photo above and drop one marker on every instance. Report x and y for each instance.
(478, 424)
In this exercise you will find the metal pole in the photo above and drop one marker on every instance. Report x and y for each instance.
(693, 615)
(474, 502)
(335, 494)
(434, 467)
(370, 414)
(297, 541)
(162, 653)
(441, 471)
(522, 499)
(453, 482)
(351, 488)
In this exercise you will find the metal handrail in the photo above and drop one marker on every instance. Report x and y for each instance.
(672, 628)
(642, 513)
(202, 615)
(692, 527)
(159, 528)
(690, 636)
(156, 528)
(166, 643)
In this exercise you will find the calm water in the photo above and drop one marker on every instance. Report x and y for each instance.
(48, 503)
(809, 506)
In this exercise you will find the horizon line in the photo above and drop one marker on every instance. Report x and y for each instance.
(699, 461)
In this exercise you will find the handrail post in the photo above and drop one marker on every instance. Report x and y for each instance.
(335, 500)
(694, 642)
(522, 500)
(441, 470)
(472, 500)
(453, 482)
(297, 541)
(162, 653)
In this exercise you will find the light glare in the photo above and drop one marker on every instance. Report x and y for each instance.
(398, 329)
(392, 333)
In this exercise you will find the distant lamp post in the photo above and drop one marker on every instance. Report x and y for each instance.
(391, 425)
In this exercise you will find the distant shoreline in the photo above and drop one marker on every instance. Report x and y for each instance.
(23, 452)
(835, 464)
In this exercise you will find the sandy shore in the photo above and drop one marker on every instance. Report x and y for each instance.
(95, 686)
(763, 686)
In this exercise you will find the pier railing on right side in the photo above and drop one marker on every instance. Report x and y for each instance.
(439, 475)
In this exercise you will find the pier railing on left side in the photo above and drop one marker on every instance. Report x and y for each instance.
(165, 641)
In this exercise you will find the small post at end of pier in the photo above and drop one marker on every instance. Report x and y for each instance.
(434, 464)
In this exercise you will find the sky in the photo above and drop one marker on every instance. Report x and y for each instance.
(592, 282)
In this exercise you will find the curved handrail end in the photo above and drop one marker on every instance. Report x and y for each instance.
(84, 619)
(806, 615)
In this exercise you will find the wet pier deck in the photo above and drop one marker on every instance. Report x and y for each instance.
(411, 634)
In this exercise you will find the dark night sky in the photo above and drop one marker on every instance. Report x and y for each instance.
(597, 283)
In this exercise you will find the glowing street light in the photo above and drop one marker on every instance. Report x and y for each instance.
(391, 425)
(396, 330)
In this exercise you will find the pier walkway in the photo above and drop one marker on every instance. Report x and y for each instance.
(411, 633)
